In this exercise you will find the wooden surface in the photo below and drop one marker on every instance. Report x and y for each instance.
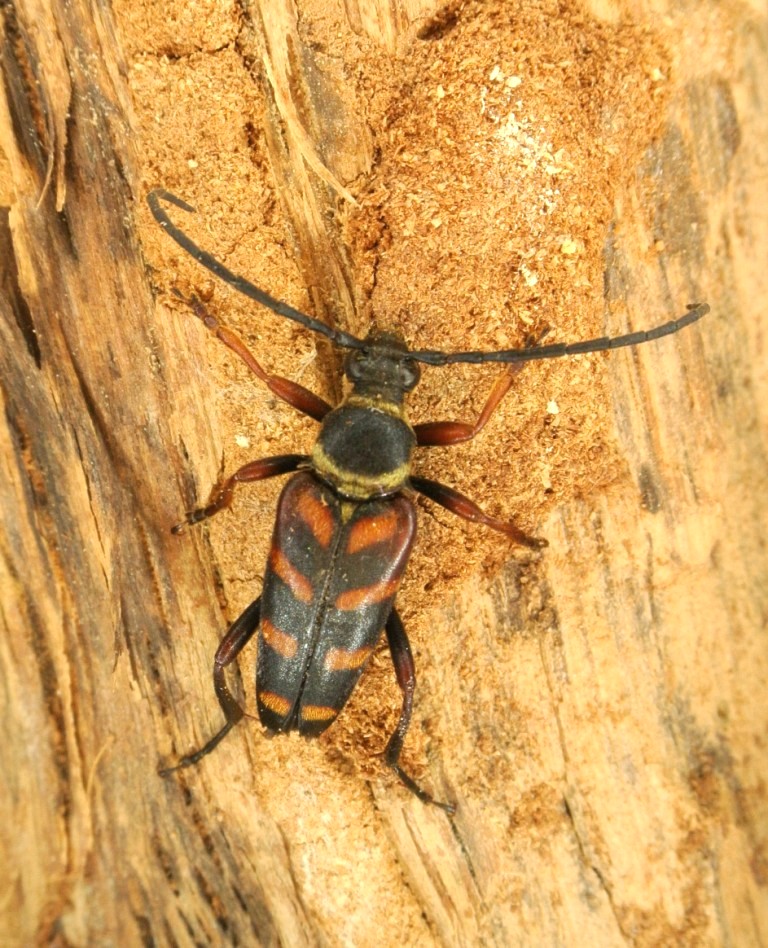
(599, 711)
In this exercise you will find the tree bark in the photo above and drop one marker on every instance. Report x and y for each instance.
(469, 174)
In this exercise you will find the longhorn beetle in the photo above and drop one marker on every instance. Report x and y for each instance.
(346, 521)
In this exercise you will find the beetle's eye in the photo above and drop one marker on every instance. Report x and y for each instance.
(410, 373)
(356, 364)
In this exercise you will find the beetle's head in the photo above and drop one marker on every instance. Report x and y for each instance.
(382, 368)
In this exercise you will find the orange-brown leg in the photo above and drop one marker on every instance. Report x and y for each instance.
(253, 471)
(291, 392)
(464, 507)
(446, 433)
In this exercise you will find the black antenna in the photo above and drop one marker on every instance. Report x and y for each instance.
(557, 349)
(237, 282)
(427, 356)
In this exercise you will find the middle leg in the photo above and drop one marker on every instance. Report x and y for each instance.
(253, 471)
(462, 506)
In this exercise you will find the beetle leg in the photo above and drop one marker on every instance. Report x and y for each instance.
(253, 471)
(464, 507)
(291, 392)
(235, 640)
(405, 671)
(446, 433)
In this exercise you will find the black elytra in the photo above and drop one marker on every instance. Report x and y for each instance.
(346, 520)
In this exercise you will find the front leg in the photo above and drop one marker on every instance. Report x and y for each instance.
(444, 433)
(291, 392)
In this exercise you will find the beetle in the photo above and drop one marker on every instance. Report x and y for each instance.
(345, 522)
